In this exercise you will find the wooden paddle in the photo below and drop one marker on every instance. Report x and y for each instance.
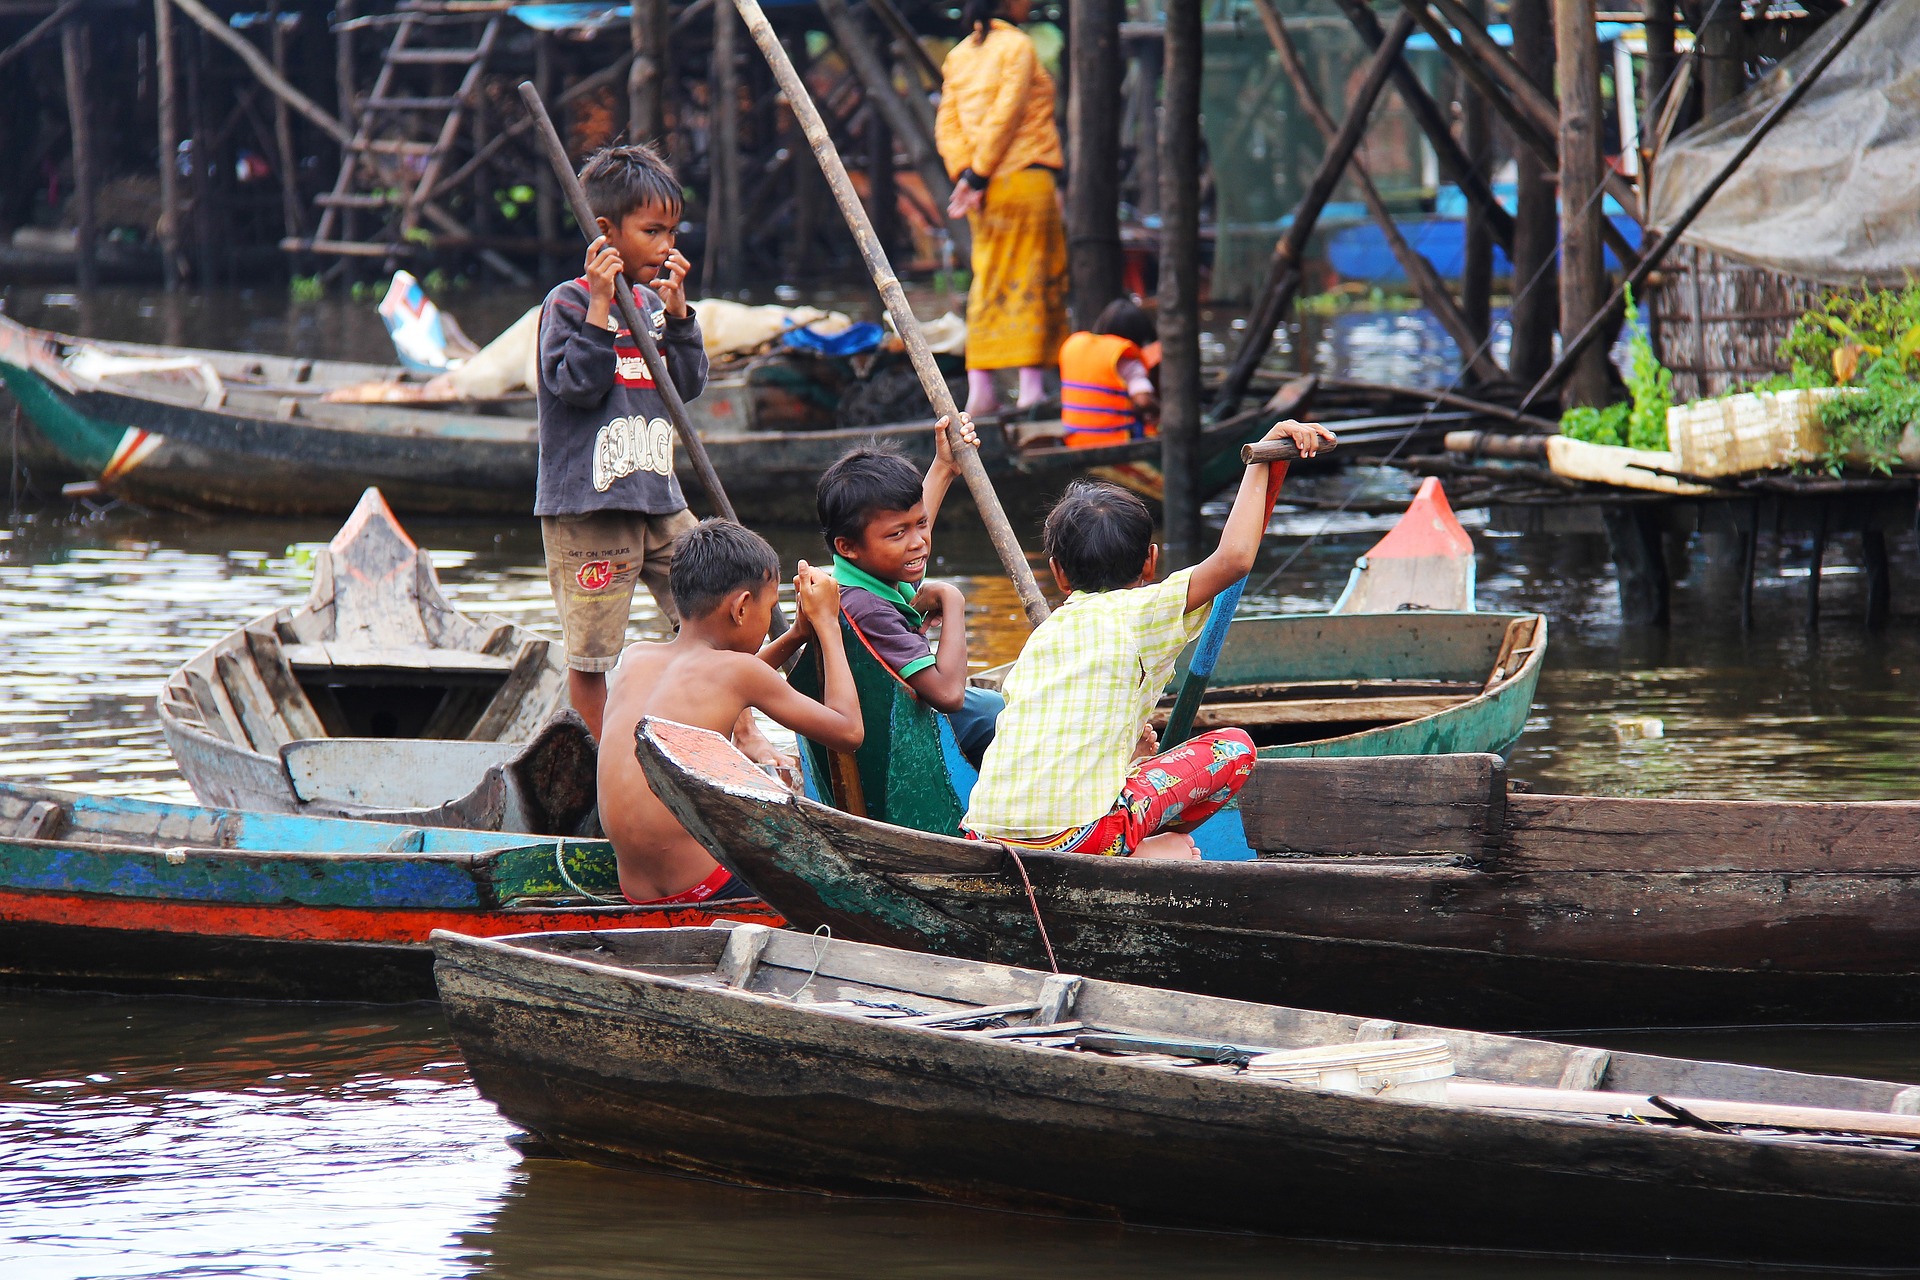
(630, 315)
(1206, 650)
(794, 89)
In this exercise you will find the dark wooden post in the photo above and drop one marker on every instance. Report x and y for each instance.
(1583, 269)
(1654, 86)
(1180, 282)
(546, 197)
(1873, 564)
(1722, 57)
(343, 66)
(293, 217)
(167, 109)
(647, 28)
(1093, 158)
(883, 200)
(1149, 59)
(74, 47)
(723, 266)
(1536, 231)
(1639, 562)
(1816, 558)
(1476, 270)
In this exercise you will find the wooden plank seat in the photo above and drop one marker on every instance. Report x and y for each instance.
(317, 656)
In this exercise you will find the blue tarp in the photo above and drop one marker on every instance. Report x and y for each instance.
(1361, 252)
(854, 340)
(587, 17)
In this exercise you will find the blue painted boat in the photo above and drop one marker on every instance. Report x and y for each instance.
(1360, 252)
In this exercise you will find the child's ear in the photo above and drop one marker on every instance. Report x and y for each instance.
(845, 548)
(742, 601)
(1151, 569)
(1059, 576)
(606, 227)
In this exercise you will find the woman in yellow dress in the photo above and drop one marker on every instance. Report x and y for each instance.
(997, 138)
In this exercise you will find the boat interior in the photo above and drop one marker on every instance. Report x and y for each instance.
(1260, 1045)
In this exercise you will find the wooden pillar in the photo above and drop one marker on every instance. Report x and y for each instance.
(74, 47)
(1749, 552)
(1660, 68)
(167, 110)
(1583, 270)
(1536, 225)
(1816, 558)
(1093, 158)
(1879, 585)
(343, 99)
(724, 240)
(1721, 55)
(809, 187)
(1639, 562)
(1150, 58)
(546, 188)
(883, 199)
(292, 216)
(1180, 283)
(1476, 270)
(648, 26)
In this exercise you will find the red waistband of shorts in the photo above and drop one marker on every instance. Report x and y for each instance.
(699, 893)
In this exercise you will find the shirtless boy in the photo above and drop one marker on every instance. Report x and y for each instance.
(725, 581)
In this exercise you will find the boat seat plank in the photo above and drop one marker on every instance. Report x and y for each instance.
(1449, 804)
(387, 772)
(314, 657)
(1608, 833)
(270, 664)
(252, 703)
(216, 709)
(1377, 710)
(42, 820)
(523, 677)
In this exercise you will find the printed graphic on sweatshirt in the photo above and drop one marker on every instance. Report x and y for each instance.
(627, 445)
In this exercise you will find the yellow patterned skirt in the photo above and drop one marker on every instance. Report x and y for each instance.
(1017, 308)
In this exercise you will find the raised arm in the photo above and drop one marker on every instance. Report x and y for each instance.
(835, 723)
(940, 475)
(1233, 559)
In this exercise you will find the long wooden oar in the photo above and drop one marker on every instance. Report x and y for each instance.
(1206, 650)
(978, 483)
(630, 315)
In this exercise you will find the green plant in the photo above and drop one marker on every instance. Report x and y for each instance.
(1869, 422)
(306, 288)
(1651, 384)
(1826, 346)
(1596, 426)
(436, 281)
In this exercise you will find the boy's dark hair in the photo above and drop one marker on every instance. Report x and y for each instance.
(619, 180)
(713, 560)
(1125, 319)
(1100, 534)
(862, 483)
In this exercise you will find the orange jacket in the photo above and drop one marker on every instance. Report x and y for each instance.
(1095, 408)
(996, 106)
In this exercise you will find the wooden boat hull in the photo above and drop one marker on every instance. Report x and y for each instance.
(619, 1067)
(1409, 900)
(146, 897)
(292, 454)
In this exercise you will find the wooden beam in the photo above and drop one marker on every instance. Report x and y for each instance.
(1420, 273)
(1283, 269)
(546, 191)
(38, 30)
(1180, 417)
(263, 70)
(1535, 311)
(907, 41)
(1093, 157)
(75, 47)
(168, 123)
(723, 265)
(1719, 50)
(649, 27)
(292, 215)
(1583, 266)
(1476, 269)
(1661, 66)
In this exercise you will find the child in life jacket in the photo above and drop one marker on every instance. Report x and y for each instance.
(1107, 396)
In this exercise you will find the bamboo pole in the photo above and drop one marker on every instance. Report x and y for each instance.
(1420, 273)
(1858, 16)
(1180, 410)
(1283, 271)
(168, 122)
(263, 70)
(74, 48)
(965, 455)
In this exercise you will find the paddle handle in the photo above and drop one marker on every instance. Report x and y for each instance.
(630, 315)
(1276, 451)
(1213, 637)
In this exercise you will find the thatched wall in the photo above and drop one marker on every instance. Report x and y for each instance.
(1718, 323)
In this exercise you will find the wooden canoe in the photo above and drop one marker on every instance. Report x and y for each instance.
(209, 430)
(776, 1059)
(142, 896)
(1407, 887)
(377, 698)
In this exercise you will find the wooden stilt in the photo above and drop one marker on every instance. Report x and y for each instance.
(347, 108)
(1721, 56)
(883, 200)
(648, 27)
(1655, 86)
(1879, 582)
(1749, 554)
(199, 150)
(1476, 270)
(292, 215)
(724, 241)
(546, 190)
(168, 120)
(74, 47)
(1639, 563)
(1180, 284)
(1150, 59)
(1093, 157)
(1283, 270)
(1583, 270)
(1816, 559)
(798, 260)
(39, 30)
(1535, 314)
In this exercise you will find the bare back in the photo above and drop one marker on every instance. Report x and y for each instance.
(693, 684)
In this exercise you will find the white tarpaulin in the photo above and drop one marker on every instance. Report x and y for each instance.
(1833, 193)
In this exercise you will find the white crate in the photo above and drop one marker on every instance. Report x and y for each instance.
(1755, 431)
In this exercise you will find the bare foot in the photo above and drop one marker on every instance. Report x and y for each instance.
(1168, 844)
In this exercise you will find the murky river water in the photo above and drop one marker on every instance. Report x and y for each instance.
(158, 1137)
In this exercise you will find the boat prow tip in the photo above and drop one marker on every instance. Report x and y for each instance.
(369, 514)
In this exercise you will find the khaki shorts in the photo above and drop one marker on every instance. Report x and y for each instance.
(593, 561)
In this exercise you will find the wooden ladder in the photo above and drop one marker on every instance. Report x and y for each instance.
(391, 103)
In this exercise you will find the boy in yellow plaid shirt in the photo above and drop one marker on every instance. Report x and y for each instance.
(1072, 766)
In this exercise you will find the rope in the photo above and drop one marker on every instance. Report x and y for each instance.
(1033, 904)
(825, 934)
(560, 865)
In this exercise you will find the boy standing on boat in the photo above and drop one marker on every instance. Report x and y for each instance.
(608, 501)
(710, 676)
(1072, 768)
(877, 514)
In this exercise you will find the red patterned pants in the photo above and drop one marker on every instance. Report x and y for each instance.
(1176, 790)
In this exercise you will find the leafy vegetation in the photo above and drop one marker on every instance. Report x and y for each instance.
(1869, 342)
(1597, 426)
(1640, 423)
(306, 288)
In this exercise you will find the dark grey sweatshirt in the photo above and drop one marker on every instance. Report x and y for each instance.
(606, 443)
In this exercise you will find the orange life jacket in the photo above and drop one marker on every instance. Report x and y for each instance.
(1094, 406)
